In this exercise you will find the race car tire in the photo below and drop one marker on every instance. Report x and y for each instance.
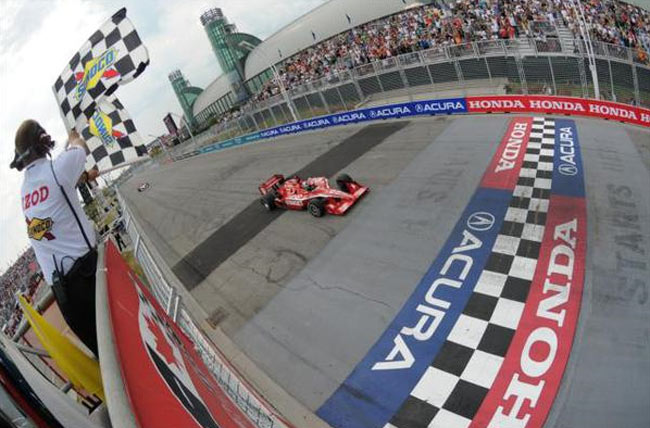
(342, 182)
(316, 207)
(268, 201)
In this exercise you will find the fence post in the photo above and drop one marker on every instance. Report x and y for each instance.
(522, 75)
(374, 69)
(322, 98)
(611, 80)
(635, 79)
(284, 107)
(402, 75)
(550, 66)
(343, 103)
(357, 87)
(275, 121)
(459, 73)
(487, 67)
(137, 245)
(257, 126)
(170, 301)
(583, 75)
(426, 67)
(311, 109)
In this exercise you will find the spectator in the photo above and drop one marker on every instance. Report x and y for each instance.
(23, 276)
(441, 25)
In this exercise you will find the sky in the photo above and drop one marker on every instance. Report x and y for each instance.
(38, 37)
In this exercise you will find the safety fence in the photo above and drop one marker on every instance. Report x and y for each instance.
(242, 394)
(553, 66)
(570, 106)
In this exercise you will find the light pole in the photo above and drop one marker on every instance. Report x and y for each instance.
(584, 32)
(189, 129)
(246, 45)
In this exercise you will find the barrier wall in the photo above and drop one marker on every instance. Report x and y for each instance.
(568, 106)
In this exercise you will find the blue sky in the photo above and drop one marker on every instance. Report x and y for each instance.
(37, 38)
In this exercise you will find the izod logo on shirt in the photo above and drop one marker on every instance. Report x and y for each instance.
(38, 228)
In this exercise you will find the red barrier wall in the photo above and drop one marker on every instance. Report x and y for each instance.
(559, 105)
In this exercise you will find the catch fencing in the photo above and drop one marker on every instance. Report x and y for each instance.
(554, 66)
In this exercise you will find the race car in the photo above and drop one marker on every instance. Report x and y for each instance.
(313, 194)
(143, 187)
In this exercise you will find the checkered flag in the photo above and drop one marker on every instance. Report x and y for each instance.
(112, 56)
(111, 137)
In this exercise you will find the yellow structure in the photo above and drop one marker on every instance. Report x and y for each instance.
(82, 371)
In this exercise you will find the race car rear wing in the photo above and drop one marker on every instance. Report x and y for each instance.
(271, 184)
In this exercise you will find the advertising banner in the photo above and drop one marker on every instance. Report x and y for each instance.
(473, 105)
(166, 380)
(559, 105)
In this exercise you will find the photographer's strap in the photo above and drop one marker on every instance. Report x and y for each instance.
(74, 213)
(76, 217)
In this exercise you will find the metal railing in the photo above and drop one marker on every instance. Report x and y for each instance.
(230, 381)
(549, 66)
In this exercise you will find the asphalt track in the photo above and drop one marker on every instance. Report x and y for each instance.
(307, 298)
(205, 258)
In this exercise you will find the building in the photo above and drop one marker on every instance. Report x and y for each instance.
(170, 124)
(231, 49)
(247, 62)
(185, 93)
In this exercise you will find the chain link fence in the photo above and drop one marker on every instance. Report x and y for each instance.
(549, 66)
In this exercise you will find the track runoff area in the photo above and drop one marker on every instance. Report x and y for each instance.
(533, 311)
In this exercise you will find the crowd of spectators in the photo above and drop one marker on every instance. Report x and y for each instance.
(618, 23)
(23, 276)
(442, 24)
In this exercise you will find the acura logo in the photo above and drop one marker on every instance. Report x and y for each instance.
(480, 221)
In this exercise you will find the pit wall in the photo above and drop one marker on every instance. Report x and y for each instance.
(568, 106)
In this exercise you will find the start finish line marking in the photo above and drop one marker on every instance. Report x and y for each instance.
(457, 353)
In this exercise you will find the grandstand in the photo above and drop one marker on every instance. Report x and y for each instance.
(342, 37)
(22, 276)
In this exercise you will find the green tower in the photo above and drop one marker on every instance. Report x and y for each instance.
(227, 46)
(185, 93)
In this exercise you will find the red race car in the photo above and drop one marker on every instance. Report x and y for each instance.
(313, 194)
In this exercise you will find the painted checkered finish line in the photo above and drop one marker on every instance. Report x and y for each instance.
(456, 355)
(452, 389)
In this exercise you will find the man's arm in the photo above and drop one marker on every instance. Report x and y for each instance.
(74, 139)
(69, 165)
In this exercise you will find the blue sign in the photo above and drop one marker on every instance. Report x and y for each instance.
(391, 111)
(567, 166)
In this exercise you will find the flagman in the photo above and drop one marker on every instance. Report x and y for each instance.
(63, 238)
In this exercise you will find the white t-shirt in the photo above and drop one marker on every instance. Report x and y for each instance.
(51, 226)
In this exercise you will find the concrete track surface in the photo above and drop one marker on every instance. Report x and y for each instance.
(307, 298)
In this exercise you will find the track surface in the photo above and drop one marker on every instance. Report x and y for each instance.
(307, 298)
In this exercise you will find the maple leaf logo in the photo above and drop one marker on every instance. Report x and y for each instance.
(162, 346)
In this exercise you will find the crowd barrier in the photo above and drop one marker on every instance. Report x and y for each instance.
(569, 106)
